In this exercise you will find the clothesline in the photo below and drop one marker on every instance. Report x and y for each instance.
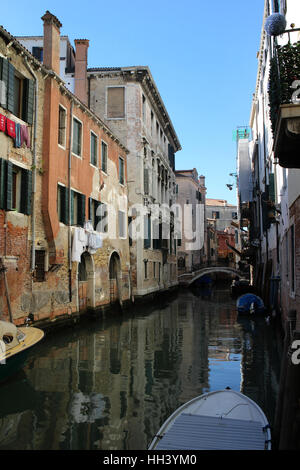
(85, 239)
(18, 132)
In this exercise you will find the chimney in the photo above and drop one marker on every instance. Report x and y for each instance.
(81, 88)
(51, 52)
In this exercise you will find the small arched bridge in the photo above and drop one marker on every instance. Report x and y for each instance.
(187, 279)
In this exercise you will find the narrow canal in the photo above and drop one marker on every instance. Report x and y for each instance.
(110, 384)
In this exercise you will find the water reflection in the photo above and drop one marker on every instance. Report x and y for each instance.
(110, 384)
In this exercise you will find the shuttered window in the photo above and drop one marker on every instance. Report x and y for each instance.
(121, 171)
(77, 137)
(62, 118)
(104, 157)
(77, 208)
(146, 181)
(93, 217)
(16, 92)
(15, 187)
(94, 147)
(147, 231)
(102, 218)
(115, 102)
(63, 204)
(121, 217)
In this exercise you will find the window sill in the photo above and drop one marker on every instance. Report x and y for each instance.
(77, 156)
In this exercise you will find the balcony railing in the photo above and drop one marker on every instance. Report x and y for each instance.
(284, 71)
(284, 102)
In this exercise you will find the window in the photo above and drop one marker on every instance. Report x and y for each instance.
(37, 52)
(144, 108)
(104, 157)
(115, 102)
(121, 170)
(62, 114)
(77, 208)
(94, 146)
(40, 257)
(62, 204)
(15, 187)
(102, 218)
(77, 137)
(122, 233)
(234, 215)
(17, 92)
(93, 206)
(147, 231)
(152, 120)
(146, 268)
(154, 269)
(215, 214)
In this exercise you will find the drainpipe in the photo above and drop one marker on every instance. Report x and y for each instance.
(33, 167)
(69, 202)
(264, 137)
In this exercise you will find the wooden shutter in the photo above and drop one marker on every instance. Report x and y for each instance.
(81, 209)
(272, 187)
(72, 206)
(116, 102)
(146, 181)
(26, 188)
(11, 88)
(4, 82)
(147, 231)
(64, 201)
(2, 183)
(9, 186)
(28, 100)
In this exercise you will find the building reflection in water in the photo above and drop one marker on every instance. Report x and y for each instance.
(109, 384)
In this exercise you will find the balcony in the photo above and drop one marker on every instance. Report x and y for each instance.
(284, 93)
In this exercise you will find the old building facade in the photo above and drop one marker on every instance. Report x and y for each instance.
(269, 193)
(191, 193)
(68, 204)
(130, 103)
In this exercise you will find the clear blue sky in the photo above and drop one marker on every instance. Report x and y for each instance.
(202, 56)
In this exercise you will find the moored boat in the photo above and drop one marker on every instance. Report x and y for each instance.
(14, 344)
(220, 420)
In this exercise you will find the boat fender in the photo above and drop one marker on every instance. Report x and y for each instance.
(267, 426)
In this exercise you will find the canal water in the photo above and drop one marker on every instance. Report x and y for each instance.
(110, 383)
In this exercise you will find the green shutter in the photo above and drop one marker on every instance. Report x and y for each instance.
(272, 187)
(81, 209)
(147, 231)
(90, 208)
(2, 183)
(146, 181)
(28, 100)
(11, 88)
(9, 185)
(64, 194)
(4, 82)
(72, 206)
(26, 188)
